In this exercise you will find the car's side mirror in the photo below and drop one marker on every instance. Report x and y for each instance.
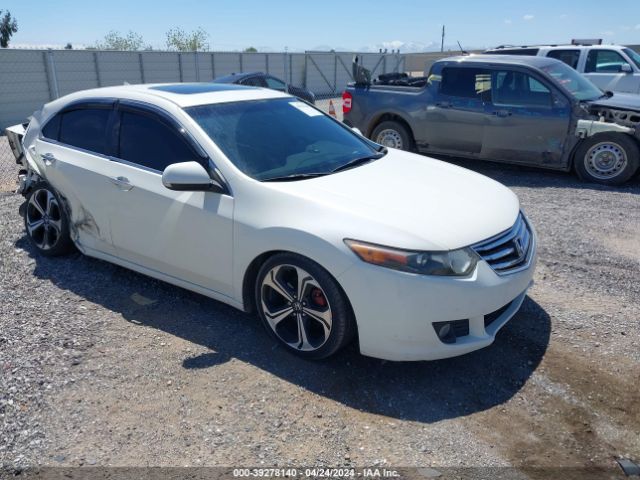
(189, 177)
(626, 68)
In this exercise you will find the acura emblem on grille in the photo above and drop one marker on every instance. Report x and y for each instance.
(509, 251)
(518, 244)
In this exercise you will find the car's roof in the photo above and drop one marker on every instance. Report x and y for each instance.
(181, 94)
(236, 77)
(557, 47)
(526, 60)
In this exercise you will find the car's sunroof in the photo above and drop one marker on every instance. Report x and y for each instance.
(191, 88)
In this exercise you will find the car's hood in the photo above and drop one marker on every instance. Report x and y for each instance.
(622, 101)
(410, 201)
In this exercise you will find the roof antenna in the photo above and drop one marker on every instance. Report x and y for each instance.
(462, 50)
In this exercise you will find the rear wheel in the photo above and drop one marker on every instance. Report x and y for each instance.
(46, 221)
(303, 307)
(392, 134)
(607, 158)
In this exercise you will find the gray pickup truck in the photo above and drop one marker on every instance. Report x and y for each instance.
(524, 110)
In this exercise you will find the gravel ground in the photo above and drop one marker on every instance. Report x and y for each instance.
(102, 366)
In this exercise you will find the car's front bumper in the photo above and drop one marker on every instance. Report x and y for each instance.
(395, 311)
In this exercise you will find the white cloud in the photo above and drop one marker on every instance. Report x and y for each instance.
(508, 21)
(563, 16)
(607, 33)
(528, 17)
(637, 27)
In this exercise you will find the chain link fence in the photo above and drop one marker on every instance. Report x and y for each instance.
(31, 78)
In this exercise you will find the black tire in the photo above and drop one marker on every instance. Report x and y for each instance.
(342, 326)
(592, 164)
(51, 237)
(390, 132)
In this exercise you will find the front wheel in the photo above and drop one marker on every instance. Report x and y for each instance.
(607, 158)
(303, 307)
(393, 135)
(46, 221)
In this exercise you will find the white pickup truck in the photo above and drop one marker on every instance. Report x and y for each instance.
(613, 68)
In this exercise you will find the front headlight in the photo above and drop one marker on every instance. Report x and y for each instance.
(459, 262)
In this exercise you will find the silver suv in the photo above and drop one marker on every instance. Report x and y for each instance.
(611, 67)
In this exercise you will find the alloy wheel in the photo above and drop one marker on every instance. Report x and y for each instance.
(44, 219)
(296, 307)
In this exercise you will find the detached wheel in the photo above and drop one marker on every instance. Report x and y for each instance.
(607, 158)
(303, 307)
(393, 135)
(46, 221)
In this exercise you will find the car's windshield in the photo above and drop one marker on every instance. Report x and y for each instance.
(579, 86)
(277, 138)
(633, 56)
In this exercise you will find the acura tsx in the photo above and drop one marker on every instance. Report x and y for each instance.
(259, 200)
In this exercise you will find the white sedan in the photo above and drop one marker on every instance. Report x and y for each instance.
(261, 201)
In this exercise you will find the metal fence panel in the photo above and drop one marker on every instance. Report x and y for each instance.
(160, 67)
(227, 63)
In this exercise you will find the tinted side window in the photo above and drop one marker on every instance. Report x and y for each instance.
(254, 82)
(275, 84)
(85, 128)
(520, 90)
(52, 128)
(147, 141)
(465, 82)
(604, 61)
(570, 57)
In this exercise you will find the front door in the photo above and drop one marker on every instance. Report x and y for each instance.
(605, 69)
(526, 122)
(186, 235)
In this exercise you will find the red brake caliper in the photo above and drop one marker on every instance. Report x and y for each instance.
(318, 297)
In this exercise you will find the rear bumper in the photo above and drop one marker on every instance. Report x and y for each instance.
(395, 311)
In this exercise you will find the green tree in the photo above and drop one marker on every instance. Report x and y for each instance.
(68, 46)
(8, 26)
(178, 39)
(116, 41)
(251, 50)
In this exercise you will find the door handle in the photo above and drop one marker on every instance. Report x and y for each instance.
(502, 113)
(443, 104)
(122, 183)
(49, 158)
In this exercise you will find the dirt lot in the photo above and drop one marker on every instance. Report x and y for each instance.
(102, 366)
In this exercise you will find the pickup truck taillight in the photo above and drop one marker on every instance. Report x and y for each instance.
(346, 102)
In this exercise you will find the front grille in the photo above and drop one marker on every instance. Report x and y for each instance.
(510, 251)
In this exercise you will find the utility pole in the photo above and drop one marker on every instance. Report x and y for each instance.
(442, 41)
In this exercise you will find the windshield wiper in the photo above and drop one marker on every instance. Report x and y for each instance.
(294, 176)
(359, 161)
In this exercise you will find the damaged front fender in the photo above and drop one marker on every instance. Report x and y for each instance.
(588, 128)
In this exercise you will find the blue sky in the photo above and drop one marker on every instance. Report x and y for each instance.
(353, 24)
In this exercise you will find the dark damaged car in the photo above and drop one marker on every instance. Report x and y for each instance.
(523, 110)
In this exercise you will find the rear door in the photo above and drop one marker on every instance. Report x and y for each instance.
(455, 122)
(604, 68)
(528, 120)
(186, 235)
(75, 146)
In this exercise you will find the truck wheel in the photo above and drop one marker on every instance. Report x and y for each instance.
(46, 221)
(607, 158)
(393, 135)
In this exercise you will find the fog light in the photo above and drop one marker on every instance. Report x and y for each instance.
(445, 332)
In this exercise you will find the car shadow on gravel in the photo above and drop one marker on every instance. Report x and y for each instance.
(523, 176)
(417, 391)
